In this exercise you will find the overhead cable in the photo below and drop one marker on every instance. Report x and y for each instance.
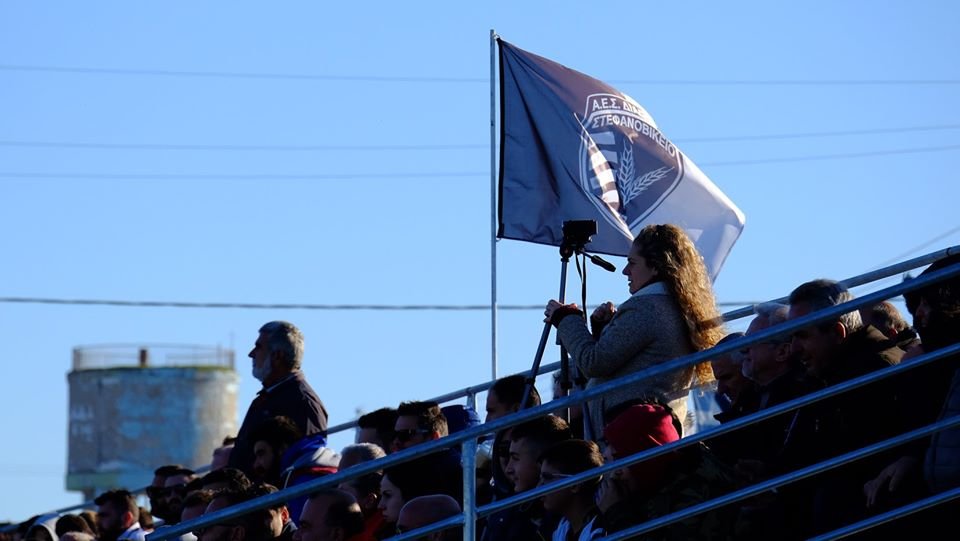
(471, 80)
(293, 306)
(426, 147)
(424, 175)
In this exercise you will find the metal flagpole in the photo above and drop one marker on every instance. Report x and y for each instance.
(493, 207)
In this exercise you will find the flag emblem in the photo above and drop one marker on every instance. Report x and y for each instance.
(626, 165)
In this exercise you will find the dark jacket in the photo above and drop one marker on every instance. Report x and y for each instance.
(289, 529)
(747, 402)
(525, 522)
(293, 398)
(768, 436)
(695, 478)
(733, 446)
(837, 425)
(942, 464)
(763, 440)
(855, 418)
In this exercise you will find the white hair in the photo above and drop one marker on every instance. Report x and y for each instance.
(285, 337)
(361, 452)
(773, 313)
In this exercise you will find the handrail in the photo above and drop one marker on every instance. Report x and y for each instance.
(787, 478)
(732, 315)
(472, 390)
(90, 504)
(454, 395)
(726, 428)
(866, 277)
(473, 433)
(893, 514)
(732, 426)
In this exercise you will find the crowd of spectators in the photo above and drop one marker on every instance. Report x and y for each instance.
(670, 312)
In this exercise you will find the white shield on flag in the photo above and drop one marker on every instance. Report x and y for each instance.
(627, 167)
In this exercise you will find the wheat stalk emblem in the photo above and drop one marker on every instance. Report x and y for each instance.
(629, 185)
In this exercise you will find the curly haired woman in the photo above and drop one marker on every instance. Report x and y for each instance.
(671, 312)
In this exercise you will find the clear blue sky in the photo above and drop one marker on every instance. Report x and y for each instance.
(82, 222)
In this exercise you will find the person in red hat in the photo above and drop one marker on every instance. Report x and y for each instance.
(663, 484)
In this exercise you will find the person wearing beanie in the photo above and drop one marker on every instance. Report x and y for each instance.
(664, 484)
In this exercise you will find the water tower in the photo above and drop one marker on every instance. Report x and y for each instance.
(134, 408)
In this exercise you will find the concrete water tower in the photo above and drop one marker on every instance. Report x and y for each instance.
(135, 408)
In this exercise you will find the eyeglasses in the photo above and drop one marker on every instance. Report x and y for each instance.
(547, 477)
(404, 436)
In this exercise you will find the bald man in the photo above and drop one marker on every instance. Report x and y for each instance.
(330, 515)
(425, 510)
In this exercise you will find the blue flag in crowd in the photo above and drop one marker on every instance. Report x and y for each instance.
(575, 148)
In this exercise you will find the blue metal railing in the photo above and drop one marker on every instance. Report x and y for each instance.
(891, 515)
(468, 437)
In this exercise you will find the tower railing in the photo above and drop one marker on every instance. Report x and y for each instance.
(103, 356)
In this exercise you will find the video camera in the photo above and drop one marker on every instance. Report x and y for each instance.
(577, 233)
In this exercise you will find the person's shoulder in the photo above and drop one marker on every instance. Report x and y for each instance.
(296, 385)
(647, 302)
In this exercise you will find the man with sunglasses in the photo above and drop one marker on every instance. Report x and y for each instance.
(418, 422)
(421, 422)
(174, 492)
(157, 494)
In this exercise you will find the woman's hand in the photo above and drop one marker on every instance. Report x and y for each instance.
(601, 316)
(554, 308)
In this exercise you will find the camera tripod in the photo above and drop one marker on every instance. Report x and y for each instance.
(576, 236)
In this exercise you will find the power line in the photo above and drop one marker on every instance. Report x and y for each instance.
(228, 147)
(831, 156)
(787, 82)
(299, 306)
(919, 247)
(426, 175)
(230, 176)
(240, 75)
(460, 80)
(428, 147)
(813, 134)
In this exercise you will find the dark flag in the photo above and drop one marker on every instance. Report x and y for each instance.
(575, 148)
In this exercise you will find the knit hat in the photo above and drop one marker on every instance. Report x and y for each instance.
(639, 428)
(460, 417)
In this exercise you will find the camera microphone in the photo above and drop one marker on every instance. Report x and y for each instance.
(599, 261)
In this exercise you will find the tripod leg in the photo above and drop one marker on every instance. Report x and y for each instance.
(535, 370)
(528, 389)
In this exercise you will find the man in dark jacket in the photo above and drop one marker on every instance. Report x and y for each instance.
(835, 352)
(276, 356)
